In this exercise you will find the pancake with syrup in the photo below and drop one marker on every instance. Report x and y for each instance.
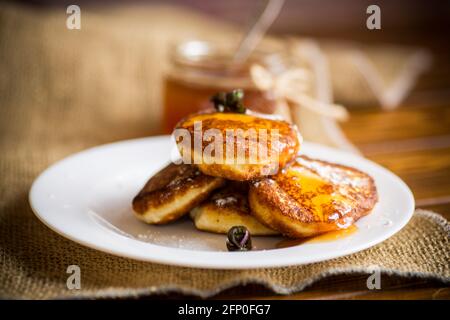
(310, 197)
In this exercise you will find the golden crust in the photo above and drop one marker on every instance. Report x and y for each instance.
(172, 192)
(282, 151)
(228, 207)
(310, 196)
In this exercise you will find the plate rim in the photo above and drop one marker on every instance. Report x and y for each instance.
(211, 264)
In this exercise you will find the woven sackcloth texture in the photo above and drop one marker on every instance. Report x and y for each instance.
(62, 91)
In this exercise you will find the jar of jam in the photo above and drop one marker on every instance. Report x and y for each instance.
(199, 69)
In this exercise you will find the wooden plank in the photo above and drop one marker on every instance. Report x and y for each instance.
(373, 125)
(349, 287)
(441, 208)
(398, 294)
(426, 172)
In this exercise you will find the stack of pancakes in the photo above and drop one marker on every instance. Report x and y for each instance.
(291, 194)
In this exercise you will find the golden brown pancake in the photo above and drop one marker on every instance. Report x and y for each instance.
(228, 207)
(173, 192)
(280, 148)
(310, 197)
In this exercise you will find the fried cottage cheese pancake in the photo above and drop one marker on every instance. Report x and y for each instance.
(226, 208)
(173, 192)
(281, 148)
(310, 197)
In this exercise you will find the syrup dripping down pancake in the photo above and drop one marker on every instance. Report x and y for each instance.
(309, 197)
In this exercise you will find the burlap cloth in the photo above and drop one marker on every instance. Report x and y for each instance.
(62, 91)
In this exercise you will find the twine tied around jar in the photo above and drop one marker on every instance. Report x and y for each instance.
(290, 89)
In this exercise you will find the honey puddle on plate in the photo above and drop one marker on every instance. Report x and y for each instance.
(324, 237)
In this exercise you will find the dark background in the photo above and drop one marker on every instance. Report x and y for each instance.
(402, 20)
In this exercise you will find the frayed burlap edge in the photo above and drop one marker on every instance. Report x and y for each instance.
(439, 226)
(284, 290)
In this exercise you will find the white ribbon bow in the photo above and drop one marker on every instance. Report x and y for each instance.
(292, 87)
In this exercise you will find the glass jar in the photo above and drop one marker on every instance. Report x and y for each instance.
(199, 69)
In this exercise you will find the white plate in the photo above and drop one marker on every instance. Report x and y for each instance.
(87, 198)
